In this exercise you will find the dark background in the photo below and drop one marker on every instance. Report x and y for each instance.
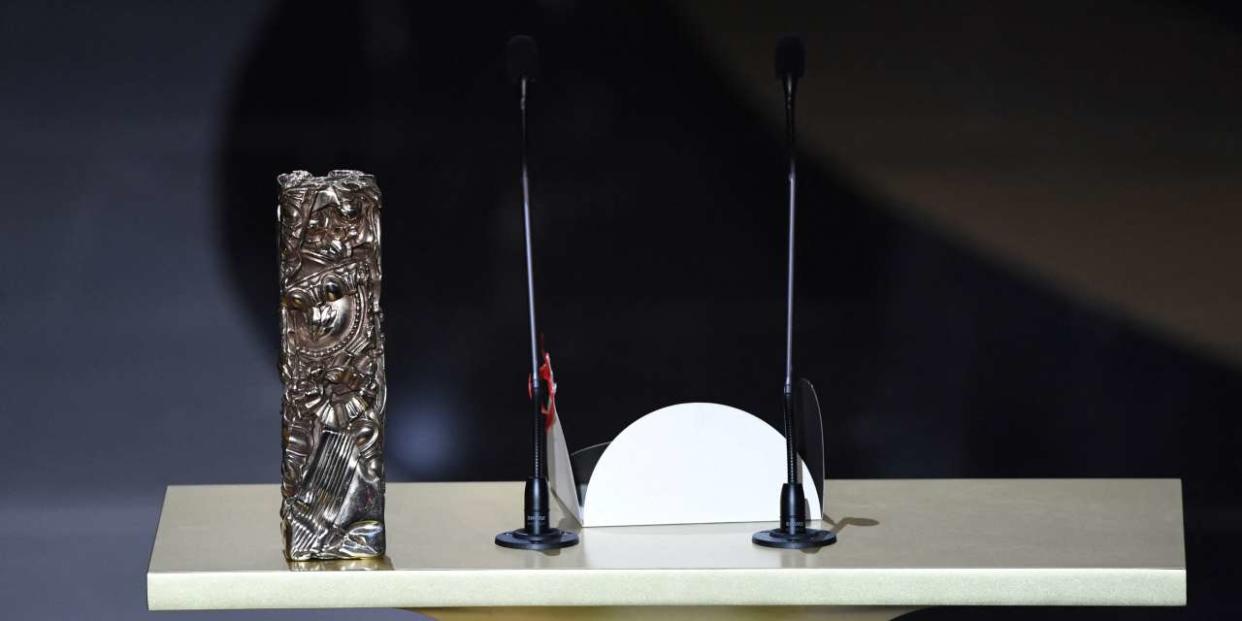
(1016, 246)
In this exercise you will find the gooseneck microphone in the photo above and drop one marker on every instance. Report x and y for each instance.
(522, 59)
(793, 531)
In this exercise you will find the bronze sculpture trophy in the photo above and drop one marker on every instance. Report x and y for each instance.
(332, 366)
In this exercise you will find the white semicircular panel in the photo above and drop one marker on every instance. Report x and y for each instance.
(692, 463)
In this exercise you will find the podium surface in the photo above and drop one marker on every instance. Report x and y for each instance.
(901, 543)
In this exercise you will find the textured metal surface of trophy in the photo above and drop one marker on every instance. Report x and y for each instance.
(332, 366)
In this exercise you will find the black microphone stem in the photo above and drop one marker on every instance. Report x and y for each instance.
(791, 460)
(792, 532)
(530, 270)
(793, 189)
(537, 388)
(537, 532)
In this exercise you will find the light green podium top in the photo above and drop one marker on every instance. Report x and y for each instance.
(1115, 542)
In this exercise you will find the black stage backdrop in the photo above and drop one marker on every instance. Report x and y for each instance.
(659, 240)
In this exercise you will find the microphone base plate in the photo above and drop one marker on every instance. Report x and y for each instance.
(551, 539)
(809, 538)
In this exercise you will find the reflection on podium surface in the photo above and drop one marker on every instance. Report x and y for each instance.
(797, 558)
(712, 546)
(382, 563)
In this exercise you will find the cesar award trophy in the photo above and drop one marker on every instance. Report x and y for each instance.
(332, 366)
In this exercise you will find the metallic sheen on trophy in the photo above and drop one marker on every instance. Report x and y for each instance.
(332, 366)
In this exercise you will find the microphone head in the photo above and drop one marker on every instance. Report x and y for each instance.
(522, 57)
(790, 57)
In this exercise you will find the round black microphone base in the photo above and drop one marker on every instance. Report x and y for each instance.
(779, 538)
(550, 539)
